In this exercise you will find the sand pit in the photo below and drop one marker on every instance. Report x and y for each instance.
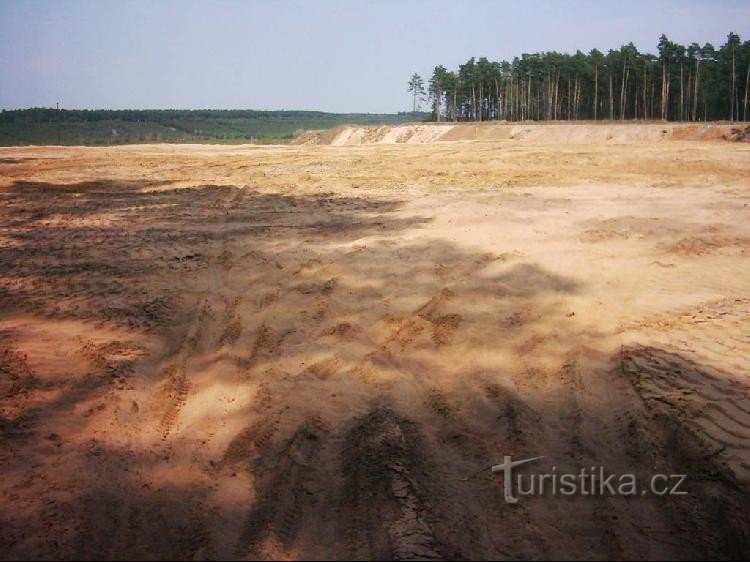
(319, 351)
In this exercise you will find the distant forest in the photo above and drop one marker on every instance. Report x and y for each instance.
(108, 127)
(680, 83)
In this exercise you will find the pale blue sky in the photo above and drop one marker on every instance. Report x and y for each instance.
(314, 54)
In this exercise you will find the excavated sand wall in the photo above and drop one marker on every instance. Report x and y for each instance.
(585, 132)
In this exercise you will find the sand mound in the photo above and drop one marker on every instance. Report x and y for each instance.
(384, 134)
(555, 133)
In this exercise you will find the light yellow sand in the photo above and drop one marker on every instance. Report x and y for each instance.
(305, 351)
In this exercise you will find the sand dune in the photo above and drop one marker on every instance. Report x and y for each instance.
(309, 351)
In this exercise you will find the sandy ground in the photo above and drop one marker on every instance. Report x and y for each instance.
(318, 351)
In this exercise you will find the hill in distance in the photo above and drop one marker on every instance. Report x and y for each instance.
(39, 126)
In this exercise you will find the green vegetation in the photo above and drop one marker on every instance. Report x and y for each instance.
(103, 127)
(693, 83)
(416, 88)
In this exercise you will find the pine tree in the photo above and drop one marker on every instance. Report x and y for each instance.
(416, 87)
(679, 83)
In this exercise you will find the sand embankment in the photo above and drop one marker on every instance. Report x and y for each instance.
(581, 132)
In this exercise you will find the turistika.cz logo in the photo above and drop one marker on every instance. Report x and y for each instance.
(590, 481)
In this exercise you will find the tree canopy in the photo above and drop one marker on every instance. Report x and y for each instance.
(677, 83)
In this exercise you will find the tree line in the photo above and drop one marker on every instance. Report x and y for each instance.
(102, 126)
(679, 83)
(175, 116)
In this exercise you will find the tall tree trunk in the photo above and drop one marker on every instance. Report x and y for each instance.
(622, 88)
(695, 93)
(497, 100)
(645, 97)
(747, 83)
(557, 95)
(528, 99)
(682, 93)
(734, 87)
(510, 98)
(688, 90)
(665, 95)
(474, 102)
(596, 89)
(481, 100)
(669, 86)
(664, 91)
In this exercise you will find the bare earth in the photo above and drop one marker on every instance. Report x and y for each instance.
(317, 351)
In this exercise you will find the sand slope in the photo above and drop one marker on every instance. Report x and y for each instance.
(560, 132)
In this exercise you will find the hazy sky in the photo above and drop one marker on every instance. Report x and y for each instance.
(310, 54)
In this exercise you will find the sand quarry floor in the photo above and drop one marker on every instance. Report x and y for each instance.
(318, 351)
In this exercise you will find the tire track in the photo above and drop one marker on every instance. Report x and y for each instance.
(176, 389)
(715, 410)
(385, 490)
(284, 496)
